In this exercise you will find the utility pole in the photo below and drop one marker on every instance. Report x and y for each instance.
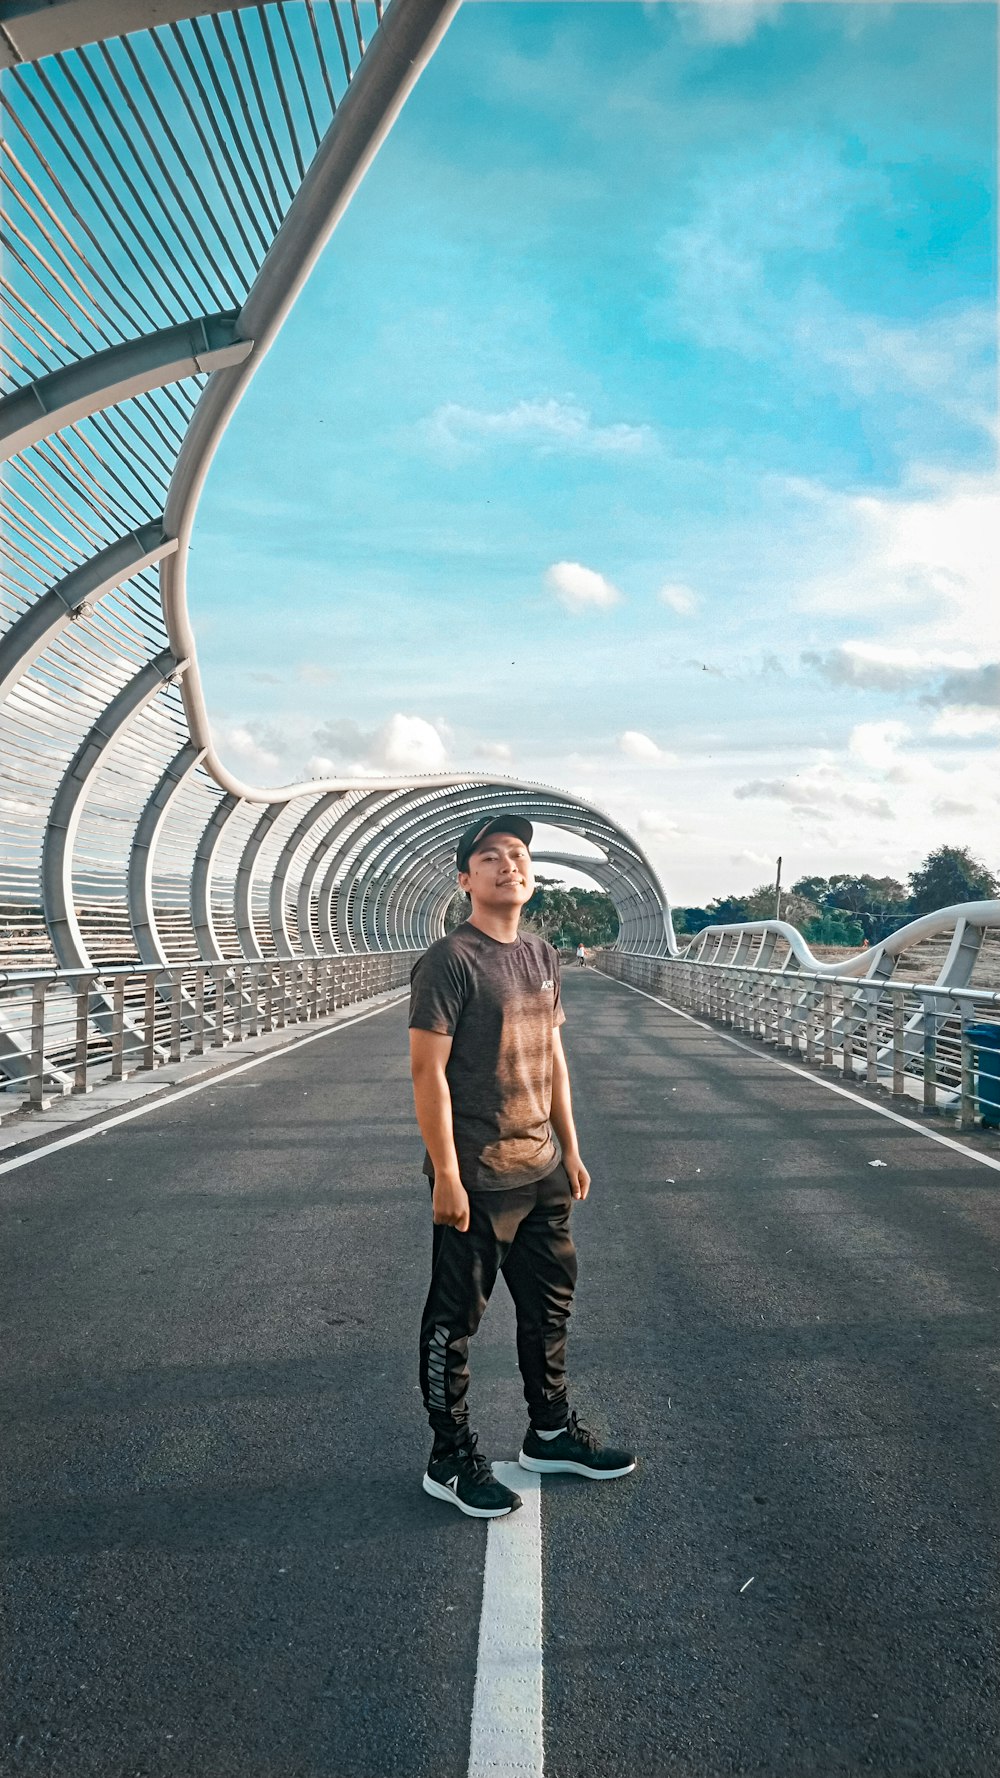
(777, 893)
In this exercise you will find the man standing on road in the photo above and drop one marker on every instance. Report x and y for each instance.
(492, 1097)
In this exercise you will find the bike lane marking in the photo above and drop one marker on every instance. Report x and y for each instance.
(506, 1739)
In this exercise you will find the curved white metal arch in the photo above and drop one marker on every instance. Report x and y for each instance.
(71, 596)
(209, 948)
(50, 403)
(139, 888)
(378, 893)
(68, 803)
(405, 41)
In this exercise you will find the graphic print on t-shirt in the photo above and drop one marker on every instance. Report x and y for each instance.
(499, 1004)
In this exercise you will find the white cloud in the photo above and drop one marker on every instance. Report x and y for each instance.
(966, 724)
(653, 824)
(251, 753)
(548, 427)
(967, 686)
(876, 744)
(680, 598)
(725, 21)
(929, 553)
(579, 589)
(759, 860)
(408, 744)
(496, 751)
(817, 793)
(878, 667)
(638, 746)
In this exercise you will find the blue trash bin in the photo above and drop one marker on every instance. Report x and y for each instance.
(985, 1040)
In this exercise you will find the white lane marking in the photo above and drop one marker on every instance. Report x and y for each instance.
(200, 1086)
(507, 1707)
(815, 1080)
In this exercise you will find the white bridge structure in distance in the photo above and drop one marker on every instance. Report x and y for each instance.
(171, 170)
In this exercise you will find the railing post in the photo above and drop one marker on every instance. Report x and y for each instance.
(871, 1037)
(314, 969)
(36, 1082)
(176, 991)
(219, 980)
(149, 1022)
(847, 1045)
(81, 1046)
(237, 1002)
(898, 1045)
(828, 1024)
(930, 1061)
(967, 1085)
(198, 1033)
(118, 1029)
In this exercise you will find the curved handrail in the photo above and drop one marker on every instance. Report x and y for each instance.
(863, 963)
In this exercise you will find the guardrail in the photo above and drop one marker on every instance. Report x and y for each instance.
(65, 1031)
(910, 1038)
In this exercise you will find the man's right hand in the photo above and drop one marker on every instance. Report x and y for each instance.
(451, 1202)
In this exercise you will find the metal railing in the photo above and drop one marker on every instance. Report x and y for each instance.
(909, 1038)
(171, 187)
(74, 1029)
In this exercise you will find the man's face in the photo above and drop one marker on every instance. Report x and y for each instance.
(500, 873)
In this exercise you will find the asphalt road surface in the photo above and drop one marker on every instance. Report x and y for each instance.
(218, 1560)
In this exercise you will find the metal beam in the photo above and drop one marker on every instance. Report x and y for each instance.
(407, 37)
(32, 412)
(31, 29)
(141, 910)
(348, 820)
(74, 594)
(209, 949)
(276, 895)
(71, 795)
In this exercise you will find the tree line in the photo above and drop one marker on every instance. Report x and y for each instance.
(848, 908)
(565, 917)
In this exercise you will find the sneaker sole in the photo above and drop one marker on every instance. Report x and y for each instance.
(562, 1466)
(439, 1492)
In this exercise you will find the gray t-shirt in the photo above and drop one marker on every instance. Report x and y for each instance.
(499, 1004)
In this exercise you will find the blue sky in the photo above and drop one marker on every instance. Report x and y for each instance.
(637, 433)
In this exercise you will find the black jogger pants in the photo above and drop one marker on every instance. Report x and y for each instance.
(525, 1234)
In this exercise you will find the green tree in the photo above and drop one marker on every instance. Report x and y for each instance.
(687, 921)
(568, 917)
(833, 928)
(950, 874)
(879, 904)
(812, 889)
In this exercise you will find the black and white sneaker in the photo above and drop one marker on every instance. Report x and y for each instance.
(575, 1452)
(466, 1480)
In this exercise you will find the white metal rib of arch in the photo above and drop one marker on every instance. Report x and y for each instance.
(327, 865)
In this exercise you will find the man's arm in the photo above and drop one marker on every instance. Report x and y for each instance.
(429, 1052)
(561, 1118)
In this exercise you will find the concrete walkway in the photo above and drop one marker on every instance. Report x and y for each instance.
(219, 1561)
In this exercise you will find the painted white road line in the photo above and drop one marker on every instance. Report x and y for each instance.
(816, 1080)
(507, 1706)
(163, 1100)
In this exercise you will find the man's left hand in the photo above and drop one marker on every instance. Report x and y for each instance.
(576, 1173)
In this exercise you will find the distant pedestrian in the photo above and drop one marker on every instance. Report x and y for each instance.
(581, 956)
(493, 1102)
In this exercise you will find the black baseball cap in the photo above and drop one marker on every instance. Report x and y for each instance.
(515, 824)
